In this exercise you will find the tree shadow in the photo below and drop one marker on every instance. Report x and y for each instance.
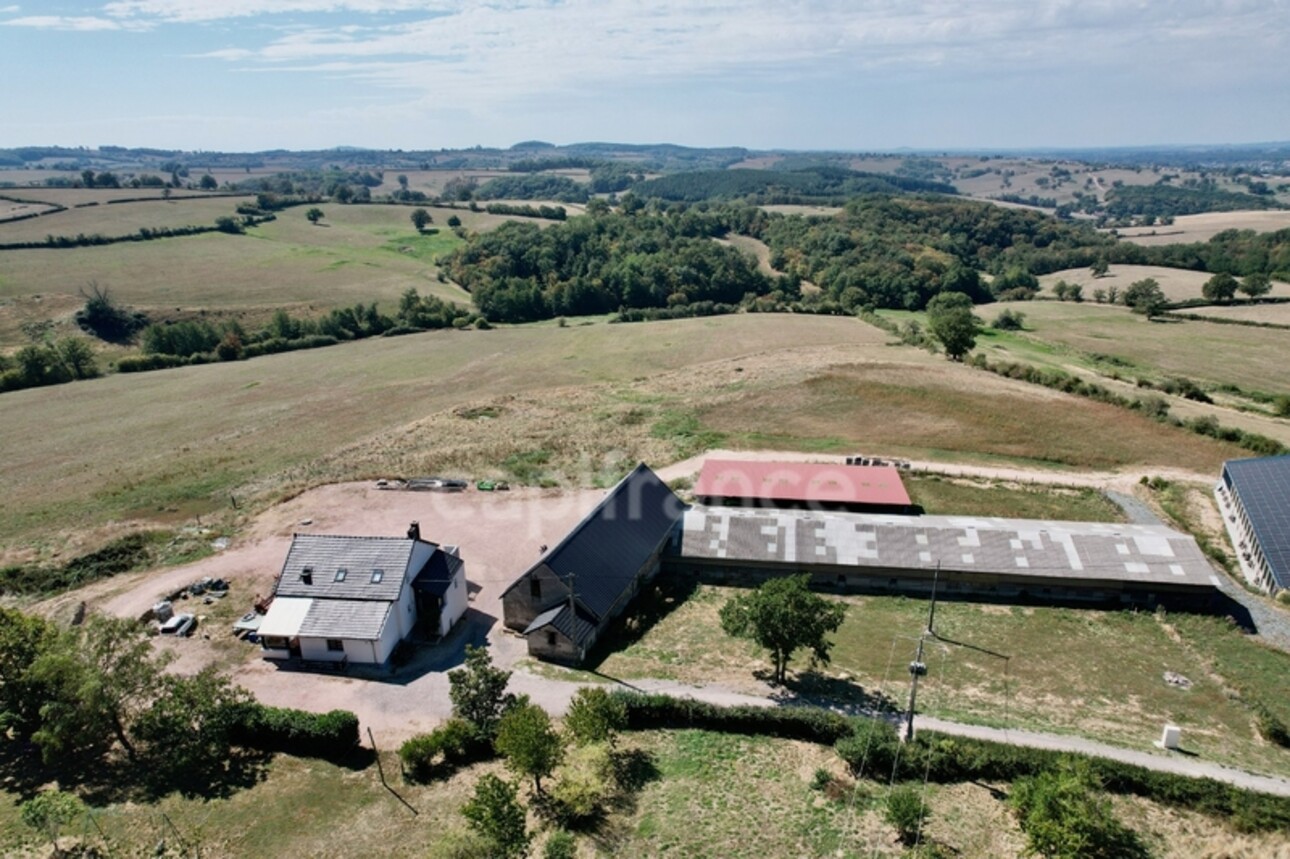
(812, 688)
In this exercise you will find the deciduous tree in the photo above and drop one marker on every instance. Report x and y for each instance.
(496, 814)
(783, 616)
(1221, 287)
(1255, 285)
(1145, 297)
(950, 320)
(478, 692)
(420, 219)
(531, 746)
(315, 215)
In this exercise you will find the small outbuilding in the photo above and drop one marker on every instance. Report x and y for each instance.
(353, 599)
(1254, 497)
(565, 601)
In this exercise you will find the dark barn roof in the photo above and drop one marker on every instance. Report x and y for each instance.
(1263, 487)
(606, 550)
(437, 574)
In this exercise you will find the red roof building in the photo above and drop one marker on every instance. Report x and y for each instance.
(861, 488)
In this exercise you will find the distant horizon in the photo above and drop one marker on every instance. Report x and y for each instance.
(543, 145)
(791, 75)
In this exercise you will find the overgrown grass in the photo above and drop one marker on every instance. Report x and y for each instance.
(1076, 671)
(944, 496)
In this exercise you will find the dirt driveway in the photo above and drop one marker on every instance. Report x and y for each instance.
(499, 533)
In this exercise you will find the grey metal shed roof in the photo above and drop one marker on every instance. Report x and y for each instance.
(325, 554)
(1018, 547)
(353, 619)
(1263, 487)
(606, 550)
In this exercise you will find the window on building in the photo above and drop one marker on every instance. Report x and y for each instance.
(377, 575)
(535, 587)
(341, 574)
(550, 638)
(335, 645)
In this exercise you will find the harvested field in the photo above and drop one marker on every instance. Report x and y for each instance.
(1202, 228)
(1252, 358)
(1278, 314)
(358, 254)
(950, 411)
(181, 439)
(1176, 283)
(122, 218)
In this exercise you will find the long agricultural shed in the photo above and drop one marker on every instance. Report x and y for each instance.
(1005, 559)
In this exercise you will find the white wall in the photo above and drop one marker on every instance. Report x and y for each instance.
(355, 650)
(454, 602)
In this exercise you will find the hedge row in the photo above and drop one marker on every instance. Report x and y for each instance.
(875, 751)
(145, 234)
(813, 724)
(1071, 384)
(330, 736)
(272, 346)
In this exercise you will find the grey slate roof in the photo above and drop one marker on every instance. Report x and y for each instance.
(353, 619)
(1263, 487)
(606, 550)
(358, 556)
(438, 573)
(1107, 552)
(577, 629)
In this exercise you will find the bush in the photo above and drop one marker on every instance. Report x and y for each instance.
(1065, 816)
(872, 749)
(330, 736)
(813, 724)
(439, 753)
(561, 845)
(595, 716)
(905, 811)
(145, 363)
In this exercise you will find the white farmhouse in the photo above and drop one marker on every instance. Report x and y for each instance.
(353, 599)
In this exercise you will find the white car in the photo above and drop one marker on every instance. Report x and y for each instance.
(179, 625)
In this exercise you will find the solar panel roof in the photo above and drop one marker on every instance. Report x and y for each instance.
(1263, 487)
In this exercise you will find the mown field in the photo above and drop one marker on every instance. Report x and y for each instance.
(356, 253)
(1176, 283)
(168, 445)
(1086, 672)
(119, 219)
(1202, 228)
(703, 791)
(1252, 358)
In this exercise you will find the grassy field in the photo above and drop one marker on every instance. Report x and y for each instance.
(1176, 283)
(1275, 313)
(952, 412)
(1202, 228)
(180, 440)
(943, 496)
(704, 791)
(122, 218)
(357, 253)
(1253, 358)
(1076, 671)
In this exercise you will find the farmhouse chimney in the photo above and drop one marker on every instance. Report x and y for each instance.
(414, 530)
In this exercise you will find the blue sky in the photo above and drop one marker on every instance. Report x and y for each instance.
(860, 75)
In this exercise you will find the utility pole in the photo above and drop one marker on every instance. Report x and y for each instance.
(918, 668)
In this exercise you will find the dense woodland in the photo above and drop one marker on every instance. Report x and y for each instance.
(810, 185)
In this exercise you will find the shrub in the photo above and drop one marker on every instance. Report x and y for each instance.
(1065, 817)
(906, 811)
(145, 363)
(331, 736)
(813, 724)
(872, 749)
(496, 814)
(595, 716)
(561, 845)
(437, 754)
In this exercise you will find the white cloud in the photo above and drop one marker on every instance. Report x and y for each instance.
(61, 22)
(509, 48)
(190, 11)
